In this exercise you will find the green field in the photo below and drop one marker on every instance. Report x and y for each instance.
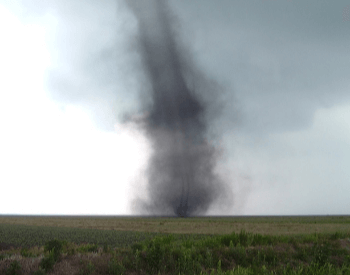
(158, 245)
(274, 225)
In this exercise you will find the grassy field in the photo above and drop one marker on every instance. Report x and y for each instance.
(202, 225)
(154, 245)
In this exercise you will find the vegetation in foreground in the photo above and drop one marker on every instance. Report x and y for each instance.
(236, 253)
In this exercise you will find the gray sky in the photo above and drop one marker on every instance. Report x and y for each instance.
(283, 65)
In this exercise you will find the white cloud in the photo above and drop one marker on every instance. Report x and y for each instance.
(53, 160)
(302, 172)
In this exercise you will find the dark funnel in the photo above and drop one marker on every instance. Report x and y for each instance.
(181, 176)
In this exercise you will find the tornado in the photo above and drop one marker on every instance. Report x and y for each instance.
(181, 174)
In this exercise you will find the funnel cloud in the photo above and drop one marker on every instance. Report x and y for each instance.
(182, 180)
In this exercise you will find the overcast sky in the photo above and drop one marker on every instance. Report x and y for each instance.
(69, 73)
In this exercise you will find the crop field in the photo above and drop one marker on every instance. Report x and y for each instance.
(163, 245)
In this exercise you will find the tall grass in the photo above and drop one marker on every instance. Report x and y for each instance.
(235, 253)
(252, 252)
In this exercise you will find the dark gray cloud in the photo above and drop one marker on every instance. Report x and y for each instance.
(282, 60)
(285, 59)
